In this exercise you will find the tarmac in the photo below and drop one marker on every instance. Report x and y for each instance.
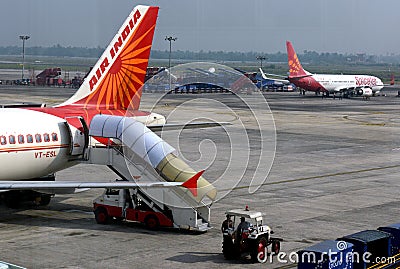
(335, 172)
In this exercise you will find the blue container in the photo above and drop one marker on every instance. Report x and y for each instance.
(368, 246)
(394, 230)
(329, 254)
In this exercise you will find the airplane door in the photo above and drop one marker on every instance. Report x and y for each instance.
(79, 136)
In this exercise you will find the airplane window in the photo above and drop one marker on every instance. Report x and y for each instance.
(11, 138)
(54, 137)
(29, 138)
(38, 138)
(3, 140)
(21, 139)
(46, 137)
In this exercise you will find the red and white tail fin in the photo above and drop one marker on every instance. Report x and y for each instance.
(392, 79)
(115, 81)
(191, 183)
(295, 68)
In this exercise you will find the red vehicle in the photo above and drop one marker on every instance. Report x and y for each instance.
(130, 205)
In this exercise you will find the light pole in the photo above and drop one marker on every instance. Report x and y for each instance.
(261, 58)
(170, 39)
(23, 38)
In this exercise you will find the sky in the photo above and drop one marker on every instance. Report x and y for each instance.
(343, 26)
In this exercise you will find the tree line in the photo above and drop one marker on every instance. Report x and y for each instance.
(311, 57)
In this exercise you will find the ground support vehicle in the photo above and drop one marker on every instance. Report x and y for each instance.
(251, 237)
(130, 205)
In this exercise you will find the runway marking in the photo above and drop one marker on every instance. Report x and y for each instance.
(363, 122)
(315, 177)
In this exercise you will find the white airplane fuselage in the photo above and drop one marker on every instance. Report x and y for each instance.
(337, 83)
(32, 144)
(364, 85)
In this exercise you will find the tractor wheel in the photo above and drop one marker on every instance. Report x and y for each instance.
(151, 222)
(228, 248)
(101, 215)
(259, 251)
(276, 247)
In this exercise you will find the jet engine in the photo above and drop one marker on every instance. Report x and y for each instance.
(364, 92)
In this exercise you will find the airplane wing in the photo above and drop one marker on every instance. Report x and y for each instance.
(383, 85)
(192, 125)
(342, 89)
(46, 185)
(276, 79)
(65, 187)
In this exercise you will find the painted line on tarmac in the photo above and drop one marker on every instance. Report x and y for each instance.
(315, 177)
(364, 122)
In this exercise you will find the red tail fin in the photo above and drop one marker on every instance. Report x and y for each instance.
(392, 79)
(295, 68)
(191, 183)
(115, 81)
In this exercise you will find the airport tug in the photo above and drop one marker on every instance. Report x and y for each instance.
(251, 237)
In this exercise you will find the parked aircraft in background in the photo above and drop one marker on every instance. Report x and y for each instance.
(362, 85)
(274, 83)
(347, 85)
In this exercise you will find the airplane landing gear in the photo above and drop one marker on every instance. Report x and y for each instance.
(14, 199)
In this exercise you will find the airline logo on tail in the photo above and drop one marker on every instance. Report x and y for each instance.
(114, 50)
(295, 68)
(115, 81)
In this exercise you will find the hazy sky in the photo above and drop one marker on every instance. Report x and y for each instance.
(345, 26)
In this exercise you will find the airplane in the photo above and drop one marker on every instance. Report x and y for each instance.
(361, 85)
(38, 141)
(274, 83)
